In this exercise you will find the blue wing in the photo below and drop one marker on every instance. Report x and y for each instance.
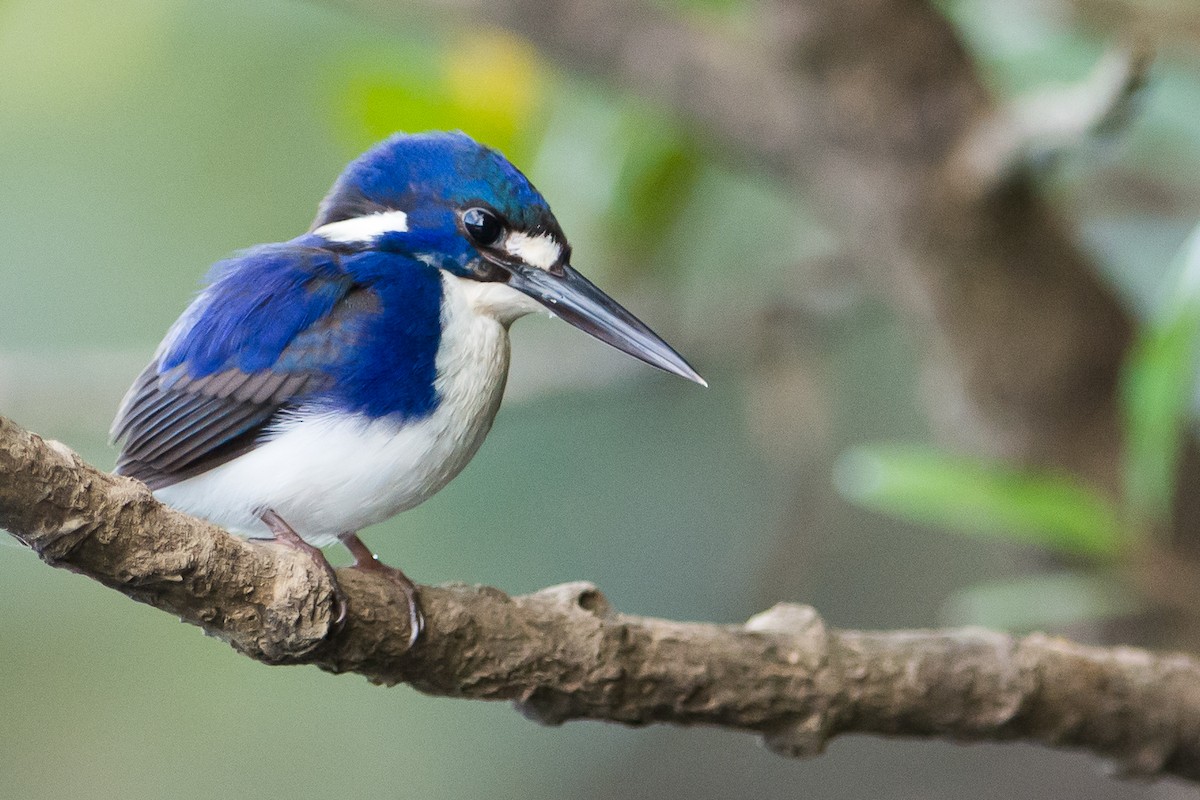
(266, 334)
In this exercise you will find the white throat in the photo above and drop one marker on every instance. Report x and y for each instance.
(499, 301)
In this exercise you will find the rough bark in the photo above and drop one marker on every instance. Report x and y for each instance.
(563, 653)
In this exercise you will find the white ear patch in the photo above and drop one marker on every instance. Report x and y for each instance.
(541, 251)
(364, 229)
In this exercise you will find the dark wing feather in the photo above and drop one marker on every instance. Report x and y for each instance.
(173, 434)
(175, 425)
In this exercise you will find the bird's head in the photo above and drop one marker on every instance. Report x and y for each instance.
(456, 205)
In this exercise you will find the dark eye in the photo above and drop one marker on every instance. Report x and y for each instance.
(482, 226)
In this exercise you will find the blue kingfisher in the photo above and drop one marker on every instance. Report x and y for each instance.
(324, 384)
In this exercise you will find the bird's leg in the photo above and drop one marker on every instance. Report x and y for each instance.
(287, 536)
(364, 559)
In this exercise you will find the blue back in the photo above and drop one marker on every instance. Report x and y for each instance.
(261, 312)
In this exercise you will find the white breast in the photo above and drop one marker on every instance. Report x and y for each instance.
(328, 474)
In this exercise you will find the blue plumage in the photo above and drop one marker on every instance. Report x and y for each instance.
(393, 371)
(323, 384)
(254, 306)
(259, 311)
(429, 176)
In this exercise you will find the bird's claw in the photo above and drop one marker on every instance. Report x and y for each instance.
(287, 536)
(341, 608)
(366, 561)
(416, 617)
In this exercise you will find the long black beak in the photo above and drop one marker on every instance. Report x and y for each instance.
(577, 300)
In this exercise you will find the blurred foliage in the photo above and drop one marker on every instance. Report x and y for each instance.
(659, 171)
(969, 495)
(1036, 602)
(1135, 200)
(1158, 391)
(489, 84)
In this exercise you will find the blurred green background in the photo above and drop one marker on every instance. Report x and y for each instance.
(141, 140)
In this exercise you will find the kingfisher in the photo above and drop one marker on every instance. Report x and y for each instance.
(320, 385)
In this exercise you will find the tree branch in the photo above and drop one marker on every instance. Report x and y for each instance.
(563, 654)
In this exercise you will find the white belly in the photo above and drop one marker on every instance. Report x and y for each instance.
(327, 474)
